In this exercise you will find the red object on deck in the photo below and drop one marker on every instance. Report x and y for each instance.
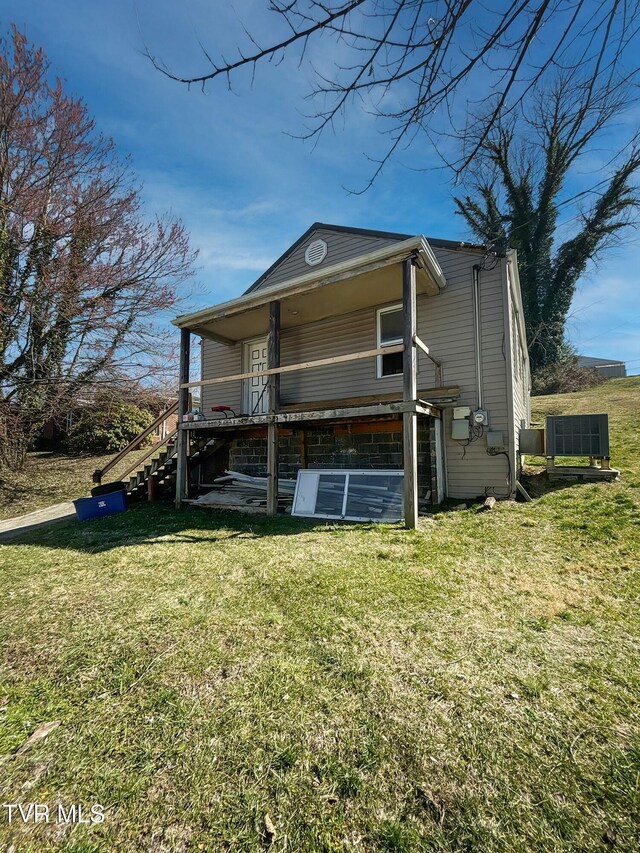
(223, 409)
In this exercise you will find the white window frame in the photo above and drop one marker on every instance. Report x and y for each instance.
(306, 493)
(379, 312)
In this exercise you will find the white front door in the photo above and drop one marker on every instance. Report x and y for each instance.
(254, 395)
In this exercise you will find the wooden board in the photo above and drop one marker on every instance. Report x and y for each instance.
(429, 395)
(219, 425)
(183, 402)
(409, 385)
(291, 368)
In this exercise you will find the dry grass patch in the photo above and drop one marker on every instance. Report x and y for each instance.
(50, 478)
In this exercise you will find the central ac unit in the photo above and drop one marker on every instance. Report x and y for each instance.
(578, 435)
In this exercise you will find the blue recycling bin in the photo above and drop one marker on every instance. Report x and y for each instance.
(100, 505)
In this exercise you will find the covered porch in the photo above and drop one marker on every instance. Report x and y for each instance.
(396, 273)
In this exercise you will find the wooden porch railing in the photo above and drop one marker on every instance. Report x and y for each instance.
(322, 362)
(303, 365)
(99, 474)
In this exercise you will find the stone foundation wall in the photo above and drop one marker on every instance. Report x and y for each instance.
(377, 445)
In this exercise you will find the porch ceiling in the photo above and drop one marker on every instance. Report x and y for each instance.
(364, 290)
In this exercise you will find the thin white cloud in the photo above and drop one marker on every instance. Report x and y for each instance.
(604, 320)
(232, 258)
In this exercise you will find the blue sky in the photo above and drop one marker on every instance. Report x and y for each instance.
(225, 164)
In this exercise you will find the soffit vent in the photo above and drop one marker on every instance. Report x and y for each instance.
(315, 253)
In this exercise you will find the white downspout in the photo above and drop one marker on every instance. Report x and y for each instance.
(476, 313)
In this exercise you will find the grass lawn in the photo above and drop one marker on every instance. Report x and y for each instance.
(50, 478)
(473, 685)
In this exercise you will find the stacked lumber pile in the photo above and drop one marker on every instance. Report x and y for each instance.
(245, 493)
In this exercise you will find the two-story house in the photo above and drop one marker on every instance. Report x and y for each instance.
(362, 349)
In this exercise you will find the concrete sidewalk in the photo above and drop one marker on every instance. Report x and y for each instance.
(33, 520)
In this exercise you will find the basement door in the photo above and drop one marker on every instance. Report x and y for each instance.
(254, 390)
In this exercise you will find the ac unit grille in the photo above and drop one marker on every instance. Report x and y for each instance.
(578, 435)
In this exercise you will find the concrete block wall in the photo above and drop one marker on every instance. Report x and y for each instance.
(326, 448)
(338, 447)
(427, 468)
(248, 455)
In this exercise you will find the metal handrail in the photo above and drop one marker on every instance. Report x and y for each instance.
(99, 474)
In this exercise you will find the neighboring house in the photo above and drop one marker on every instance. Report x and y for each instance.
(56, 430)
(165, 428)
(169, 425)
(365, 306)
(608, 367)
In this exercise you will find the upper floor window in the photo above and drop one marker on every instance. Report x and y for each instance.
(389, 332)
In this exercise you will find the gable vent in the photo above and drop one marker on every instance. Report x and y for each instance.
(316, 253)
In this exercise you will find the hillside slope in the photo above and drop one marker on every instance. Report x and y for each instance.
(620, 399)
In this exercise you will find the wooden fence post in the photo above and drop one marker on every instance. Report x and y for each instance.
(152, 487)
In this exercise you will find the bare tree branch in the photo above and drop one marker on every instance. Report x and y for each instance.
(427, 55)
(82, 273)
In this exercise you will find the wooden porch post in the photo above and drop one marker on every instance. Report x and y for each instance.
(273, 397)
(410, 419)
(182, 448)
(152, 487)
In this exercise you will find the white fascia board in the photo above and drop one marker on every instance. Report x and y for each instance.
(414, 245)
(512, 260)
(429, 263)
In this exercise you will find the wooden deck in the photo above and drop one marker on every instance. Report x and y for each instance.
(408, 408)
(420, 407)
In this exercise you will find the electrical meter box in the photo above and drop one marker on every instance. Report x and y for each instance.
(495, 439)
(460, 412)
(460, 429)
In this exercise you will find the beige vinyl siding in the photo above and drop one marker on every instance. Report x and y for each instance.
(445, 323)
(331, 337)
(450, 334)
(220, 360)
(340, 247)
